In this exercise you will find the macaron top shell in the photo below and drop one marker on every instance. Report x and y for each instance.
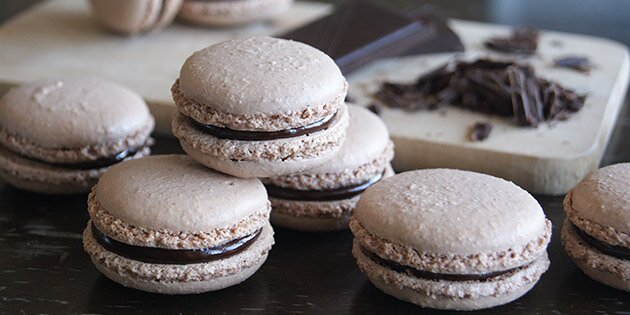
(366, 140)
(174, 193)
(603, 197)
(261, 75)
(73, 113)
(445, 212)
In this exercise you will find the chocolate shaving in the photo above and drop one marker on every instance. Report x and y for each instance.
(503, 88)
(580, 64)
(375, 108)
(522, 41)
(480, 131)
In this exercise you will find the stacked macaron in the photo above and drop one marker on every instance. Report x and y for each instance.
(231, 12)
(167, 224)
(450, 239)
(59, 136)
(322, 198)
(596, 232)
(128, 17)
(260, 107)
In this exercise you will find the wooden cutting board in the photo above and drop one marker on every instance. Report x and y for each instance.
(60, 38)
(550, 159)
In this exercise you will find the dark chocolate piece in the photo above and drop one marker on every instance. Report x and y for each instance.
(480, 131)
(156, 255)
(320, 195)
(502, 88)
(231, 134)
(441, 38)
(580, 64)
(608, 249)
(434, 276)
(358, 32)
(523, 41)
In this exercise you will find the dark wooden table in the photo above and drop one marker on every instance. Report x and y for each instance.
(43, 268)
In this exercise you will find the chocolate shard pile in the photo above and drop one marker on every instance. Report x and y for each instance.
(522, 41)
(503, 88)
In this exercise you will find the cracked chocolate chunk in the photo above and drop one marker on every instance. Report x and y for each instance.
(502, 88)
(522, 41)
(480, 131)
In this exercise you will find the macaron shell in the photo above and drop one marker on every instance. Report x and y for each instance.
(451, 295)
(261, 75)
(39, 177)
(231, 13)
(172, 192)
(310, 224)
(366, 140)
(603, 197)
(128, 17)
(598, 266)
(270, 158)
(73, 113)
(445, 211)
(180, 279)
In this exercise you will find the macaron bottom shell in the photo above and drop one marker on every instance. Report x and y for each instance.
(600, 267)
(247, 159)
(180, 279)
(311, 224)
(451, 295)
(36, 176)
(231, 13)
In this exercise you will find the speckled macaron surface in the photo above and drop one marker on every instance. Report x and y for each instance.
(450, 239)
(224, 13)
(260, 107)
(128, 17)
(596, 233)
(59, 136)
(322, 198)
(166, 224)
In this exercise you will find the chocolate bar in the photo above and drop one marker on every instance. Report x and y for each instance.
(358, 32)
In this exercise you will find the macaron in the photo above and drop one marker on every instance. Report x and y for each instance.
(596, 232)
(322, 198)
(450, 239)
(166, 224)
(58, 136)
(128, 17)
(224, 13)
(260, 107)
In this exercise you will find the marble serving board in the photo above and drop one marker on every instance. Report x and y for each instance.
(550, 159)
(60, 38)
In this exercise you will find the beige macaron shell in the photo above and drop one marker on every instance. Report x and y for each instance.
(603, 197)
(174, 193)
(261, 75)
(231, 13)
(444, 211)
(72, 113)
(366, 139)
(127, 16)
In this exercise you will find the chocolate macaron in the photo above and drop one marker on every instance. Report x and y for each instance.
(231, 12)
(596, 232)
(322, 198)
(450, 239)
(166, 224)
(128, 17)
(260, 107)
(59, 136)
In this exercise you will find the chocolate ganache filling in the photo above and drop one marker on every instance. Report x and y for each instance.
(156, 255)
(231, 134)
(608, 249)
(321, 195)
(435, 276)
